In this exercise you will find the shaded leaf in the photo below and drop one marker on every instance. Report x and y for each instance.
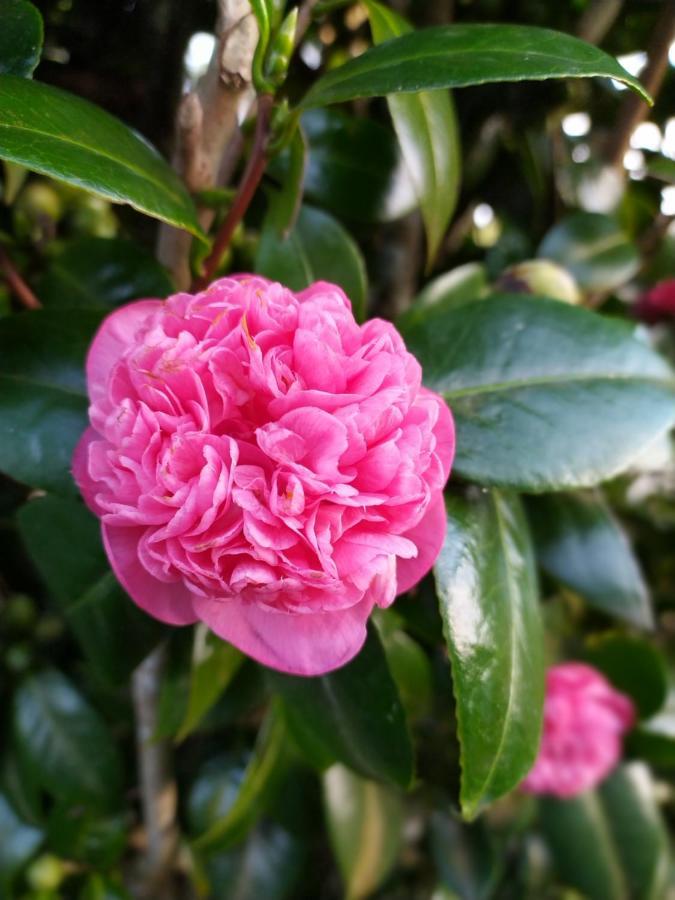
(487, 591)
(21, 37)
(582, 545)
(522, 372)
(468, 861)
(633, 666)
(365, 825)
(463, 55)
(353, 715)
(60, 135)
(18, 843)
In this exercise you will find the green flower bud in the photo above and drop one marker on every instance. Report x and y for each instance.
(281, 50)
(46, 873)
(541, 277)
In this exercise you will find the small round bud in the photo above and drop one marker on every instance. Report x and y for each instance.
(46, 873)
(541, 277)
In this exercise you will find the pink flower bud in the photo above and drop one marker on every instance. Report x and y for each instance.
(657, 304)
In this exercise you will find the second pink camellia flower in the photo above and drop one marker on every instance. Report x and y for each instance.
(585, 720)
(262, 463)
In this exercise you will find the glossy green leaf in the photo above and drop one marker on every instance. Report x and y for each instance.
(318, 248)
(18, 843)
(410, 668)
(610, 843)
(594, 249)
(365, 827)
(663, 168)
(65, 742)
(428, 134)
(259, 783)
(634, 666)
(462, 55)
(355, 169)
(467, 282)
(353, 715)
(487, 591)
(582, 545)
(544, 395)
(61, 135)
(63, 539)
(43, 401)
(654, 739)
(214, 665)
(100, 273)
(20, 37)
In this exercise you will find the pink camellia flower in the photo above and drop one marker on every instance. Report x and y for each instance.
(264, 464)
(658, 303)
(585, 719)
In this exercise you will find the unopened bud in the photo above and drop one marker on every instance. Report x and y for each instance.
(541, 277)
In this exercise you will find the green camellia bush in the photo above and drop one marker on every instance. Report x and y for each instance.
(337, 485)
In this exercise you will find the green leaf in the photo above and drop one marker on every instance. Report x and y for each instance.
(353, 715)
(102, 887)
(468, 860)
(61, 135)
(43, 398)
(289, 198)
(467, 282)
(20, 37)
(63, 538)
(259, 783)
(18, 843)
(662, 168)
(214, 665)
(318, 248)
(654, 739)
(101, 273)
(582, 545)
(610, 843)
(544, 395)
(65, 743)
(409, 666)
(594, 249)
(487, 591)
(428, 134)
(365, 827)
(355, 169)
(450, 56)
(633, 666)
(74, 832)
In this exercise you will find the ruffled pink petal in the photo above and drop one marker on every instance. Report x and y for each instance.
(169, 602)
(428, 537)
(115, 334)
(296, 643)
(80, 467)
(444, 432)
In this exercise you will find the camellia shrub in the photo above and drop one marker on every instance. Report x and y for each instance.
(337, 486)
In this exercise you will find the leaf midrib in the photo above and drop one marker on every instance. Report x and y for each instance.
(554, 381)
(44, 385)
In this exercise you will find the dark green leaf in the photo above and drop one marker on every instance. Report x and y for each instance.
(654, 739)
(633, 666)
(582, 545)
(353, 715)
(100, 273)
(65, 742)
(43, 401)
(61, 135)
(467, 859)
(258, 785)
(18, 843)
(410, 668)
(20, 37)
(101, 887)
(365, 826)
(63, 538)
(317, 249)
(427, 130)
(545, 395)
(214, 665)
(662, 168)
(594, 249)
(355, 169)
(74, 832)
(287, 202)
(487, 590)
(462, 55)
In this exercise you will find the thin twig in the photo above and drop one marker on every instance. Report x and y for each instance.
(634, 109)
(597, 19)
(157, 785)
(15, 282)
(304, 19)
(255, 168)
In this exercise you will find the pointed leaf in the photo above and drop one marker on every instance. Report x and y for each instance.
(582, 545)
(427, 130)
(545, 395)
(61, 135)
(462, 55)
(487, 591)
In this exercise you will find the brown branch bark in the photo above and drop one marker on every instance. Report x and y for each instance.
(634, 110)
(15, 282)
(597, 19)
(208, 123)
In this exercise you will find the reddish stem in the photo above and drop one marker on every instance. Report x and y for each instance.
(253, 174)
(15, 282)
